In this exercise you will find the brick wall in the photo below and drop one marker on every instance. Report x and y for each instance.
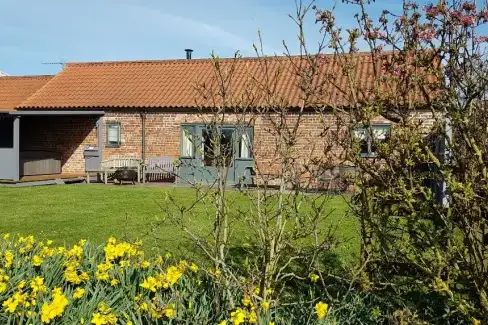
(70, 135)
(131, 135)
(65, 134)
(163, 131)
(316, 135)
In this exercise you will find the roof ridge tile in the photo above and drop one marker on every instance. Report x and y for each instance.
(44, 76)
(199, 60)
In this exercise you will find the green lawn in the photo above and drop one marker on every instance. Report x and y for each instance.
(71, 212)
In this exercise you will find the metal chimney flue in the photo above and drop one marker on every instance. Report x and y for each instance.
(188, 53)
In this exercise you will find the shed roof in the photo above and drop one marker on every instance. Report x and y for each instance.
(15, 90)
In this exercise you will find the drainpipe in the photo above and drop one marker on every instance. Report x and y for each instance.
(143, 123)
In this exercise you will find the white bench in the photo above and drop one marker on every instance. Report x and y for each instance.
(159, 168)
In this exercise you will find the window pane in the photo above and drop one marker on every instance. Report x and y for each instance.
(361, 135)
(187, 143)
(113, 134)
(215, 152)
(380, 134)
(245, 146)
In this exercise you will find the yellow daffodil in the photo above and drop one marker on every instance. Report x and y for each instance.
(150, 283)
(21, 285)
(173, 274)
(102, 271)
(78, 293)
(314, 277)
(10, 305)
(237, 317)
(55, 308)
(170, 311)
(321, 309)
(9, 259)
(158, 260)
(37, 285)
(36, 260)
(98, 319)
(246, 301)
(265, 305)
(143, 306)
(252, 318)
(194, 268)
(145, 264)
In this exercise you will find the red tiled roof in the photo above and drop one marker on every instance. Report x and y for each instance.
(15, 90)
(174, 83)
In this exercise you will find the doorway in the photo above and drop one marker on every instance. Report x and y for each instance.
(208, 150)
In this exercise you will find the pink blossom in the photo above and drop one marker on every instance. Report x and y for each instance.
(467, 20)
(481, 39)
(456, 14)
(427, 34)
(374, 35)
(379, 48)
(484, 15)
(396, 71)
(432, 11)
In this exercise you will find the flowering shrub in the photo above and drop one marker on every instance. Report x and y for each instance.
(117, 284)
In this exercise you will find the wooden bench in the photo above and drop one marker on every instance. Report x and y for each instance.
(159, 168)
(108, 167)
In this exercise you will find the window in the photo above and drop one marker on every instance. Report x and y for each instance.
(187, 144)
(370, 137)
(215, 152)
(113, 134)
(245, 144)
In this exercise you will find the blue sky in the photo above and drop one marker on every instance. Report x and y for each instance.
(33, 32)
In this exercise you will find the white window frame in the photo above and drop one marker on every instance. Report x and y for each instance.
(187, 141)
(114, 144)
(370, 133)
(245, 145)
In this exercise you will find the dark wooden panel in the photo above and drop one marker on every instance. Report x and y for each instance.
(39, 163)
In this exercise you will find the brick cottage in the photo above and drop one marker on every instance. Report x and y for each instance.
(145, 109)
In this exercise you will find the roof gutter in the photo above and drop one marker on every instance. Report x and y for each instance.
(63, 112)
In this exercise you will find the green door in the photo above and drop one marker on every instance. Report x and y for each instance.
(208, 151)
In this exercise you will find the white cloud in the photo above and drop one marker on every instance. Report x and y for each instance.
(212, 35)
